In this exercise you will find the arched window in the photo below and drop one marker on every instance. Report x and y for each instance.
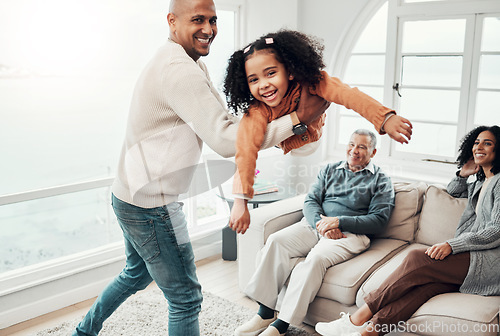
(436, 63)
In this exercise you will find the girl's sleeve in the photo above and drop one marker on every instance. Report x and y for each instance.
(251, 134)
(334, 90)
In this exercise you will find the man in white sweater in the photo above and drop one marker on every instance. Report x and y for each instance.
(174, 110)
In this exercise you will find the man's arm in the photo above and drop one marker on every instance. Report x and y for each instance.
(314, 199)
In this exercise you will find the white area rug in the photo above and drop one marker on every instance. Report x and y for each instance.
(145, 314)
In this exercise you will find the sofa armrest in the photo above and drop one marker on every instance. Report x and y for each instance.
(265, 220)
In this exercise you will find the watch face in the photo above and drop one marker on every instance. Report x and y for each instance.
(299, 129)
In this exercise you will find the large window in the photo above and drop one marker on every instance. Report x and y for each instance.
(436, 63)
(66, 80)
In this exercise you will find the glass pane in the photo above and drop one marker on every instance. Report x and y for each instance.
(434, 36)
(491, 34)
(430, 105)
(220, 51)
(222, 48)
(70, 129)
(487, 108)
(489, 72)
(209, 205)
(431, 139)
(373, 38)
(66, 85)
(432, 71)
(352, 123)
(367, 69)
(50, 228)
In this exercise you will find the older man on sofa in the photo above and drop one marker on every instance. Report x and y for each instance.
(349, 202)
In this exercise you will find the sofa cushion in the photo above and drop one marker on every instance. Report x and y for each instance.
(445, 315)
(342, 281)
(439, 217)
(404, 219)
(442, 311)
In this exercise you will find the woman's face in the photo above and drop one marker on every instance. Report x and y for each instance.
(267, 78)
(484, 150)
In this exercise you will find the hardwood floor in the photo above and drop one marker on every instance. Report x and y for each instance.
(216, 276)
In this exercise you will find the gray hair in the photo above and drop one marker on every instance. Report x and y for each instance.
(373, 138)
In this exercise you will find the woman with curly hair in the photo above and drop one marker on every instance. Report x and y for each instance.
(264, 81)
(467, 263)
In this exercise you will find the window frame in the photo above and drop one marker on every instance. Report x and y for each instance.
(408, 165)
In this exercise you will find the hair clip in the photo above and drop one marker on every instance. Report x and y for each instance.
(269, 40)
(247, 49)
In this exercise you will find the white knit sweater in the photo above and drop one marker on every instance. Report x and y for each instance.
(174, 109)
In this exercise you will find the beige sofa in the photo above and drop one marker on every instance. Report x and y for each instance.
(423, 215)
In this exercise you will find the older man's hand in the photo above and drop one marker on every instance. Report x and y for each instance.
(326, 223)
(335, 234)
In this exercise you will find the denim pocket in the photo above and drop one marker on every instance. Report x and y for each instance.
(138, 228)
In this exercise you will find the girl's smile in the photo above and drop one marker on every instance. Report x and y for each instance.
(267, 78)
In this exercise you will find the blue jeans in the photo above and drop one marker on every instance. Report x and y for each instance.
(157, 248)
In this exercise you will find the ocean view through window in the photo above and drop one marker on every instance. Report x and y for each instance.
(66, 81)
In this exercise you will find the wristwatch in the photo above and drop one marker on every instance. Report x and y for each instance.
(299, 129)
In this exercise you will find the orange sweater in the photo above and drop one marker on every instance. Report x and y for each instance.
(253, 125)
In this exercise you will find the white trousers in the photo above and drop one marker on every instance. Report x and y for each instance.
(279, 257)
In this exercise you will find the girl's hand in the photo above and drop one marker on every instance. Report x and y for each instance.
(398, 128)
(439, 251)
(469, 168)
(335, 234)
(240, 216)
(326, 223)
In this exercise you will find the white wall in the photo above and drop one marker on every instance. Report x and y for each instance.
(265, 16)
(328, 19)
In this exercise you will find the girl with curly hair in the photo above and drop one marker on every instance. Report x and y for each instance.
(466, 263)
(264, 81)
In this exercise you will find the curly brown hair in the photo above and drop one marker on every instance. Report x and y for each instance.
(301, 54)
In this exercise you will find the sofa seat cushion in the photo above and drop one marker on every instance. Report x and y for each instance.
(443, 311)
(457, 314)
(342, 281)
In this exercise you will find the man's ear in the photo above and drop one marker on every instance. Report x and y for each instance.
(373, 153)
(171, 18)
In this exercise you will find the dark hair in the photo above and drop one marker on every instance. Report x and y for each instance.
(301, 54)
(465, 150)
